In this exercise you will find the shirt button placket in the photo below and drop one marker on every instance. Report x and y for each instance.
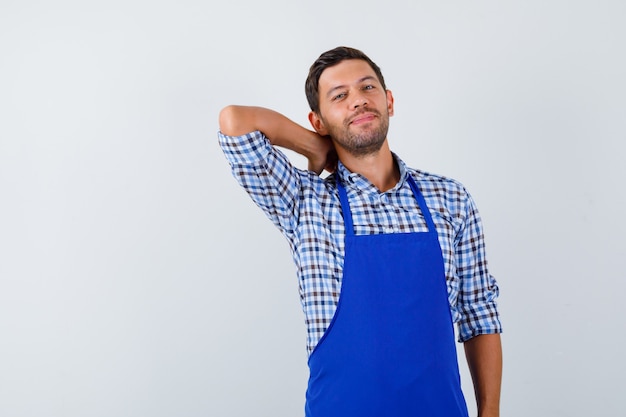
(384, 201)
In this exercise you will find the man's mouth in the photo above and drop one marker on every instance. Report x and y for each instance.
(363, 118)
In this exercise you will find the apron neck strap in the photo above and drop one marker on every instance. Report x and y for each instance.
(347, 215)
(422, 203)
(345, 207)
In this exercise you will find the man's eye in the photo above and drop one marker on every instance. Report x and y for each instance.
(368, 87)
(339, 96)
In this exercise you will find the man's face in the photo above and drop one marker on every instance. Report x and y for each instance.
(354, 107)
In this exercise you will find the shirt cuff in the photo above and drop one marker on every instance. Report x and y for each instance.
(485, 319)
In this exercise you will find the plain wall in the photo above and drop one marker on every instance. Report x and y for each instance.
(138, 279)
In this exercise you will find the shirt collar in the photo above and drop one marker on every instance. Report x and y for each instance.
(358, 181)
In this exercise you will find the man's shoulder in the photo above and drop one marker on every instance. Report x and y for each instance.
(429, 182)
(444, 195)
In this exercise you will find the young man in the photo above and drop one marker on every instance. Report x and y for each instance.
(388, 257)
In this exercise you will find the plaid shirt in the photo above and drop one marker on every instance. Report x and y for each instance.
(306, 209)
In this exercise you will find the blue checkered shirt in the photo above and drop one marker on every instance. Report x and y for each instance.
(306, 209)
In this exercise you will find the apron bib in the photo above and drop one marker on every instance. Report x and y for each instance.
(389, 350)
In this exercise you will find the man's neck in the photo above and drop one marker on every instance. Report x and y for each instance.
(379, 168)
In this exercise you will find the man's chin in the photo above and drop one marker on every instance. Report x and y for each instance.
(365, 148)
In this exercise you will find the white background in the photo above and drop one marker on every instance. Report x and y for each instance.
(137, 278)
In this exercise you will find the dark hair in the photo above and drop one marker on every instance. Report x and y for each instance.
(329, 59)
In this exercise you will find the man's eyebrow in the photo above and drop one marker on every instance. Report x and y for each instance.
(359, 81)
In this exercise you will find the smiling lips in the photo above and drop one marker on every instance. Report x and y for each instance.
(363, 118)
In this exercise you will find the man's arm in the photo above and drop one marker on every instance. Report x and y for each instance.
(484, 359)
(281, 131)
(479, 325)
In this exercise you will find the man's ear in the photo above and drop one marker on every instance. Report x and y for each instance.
(317, 123)
(390, 102)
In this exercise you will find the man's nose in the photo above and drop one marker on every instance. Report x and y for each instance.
(359, 101)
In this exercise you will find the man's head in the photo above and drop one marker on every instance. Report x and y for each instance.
(349, 102)
(329, 59)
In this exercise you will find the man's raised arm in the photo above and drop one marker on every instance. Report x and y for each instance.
(281, 131)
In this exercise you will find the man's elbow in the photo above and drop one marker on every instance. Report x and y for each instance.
(228, 120)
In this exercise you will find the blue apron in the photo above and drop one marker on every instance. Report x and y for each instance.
(389, 350)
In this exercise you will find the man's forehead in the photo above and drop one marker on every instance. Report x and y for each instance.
(346, 72)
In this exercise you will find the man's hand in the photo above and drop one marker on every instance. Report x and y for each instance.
(323, 155)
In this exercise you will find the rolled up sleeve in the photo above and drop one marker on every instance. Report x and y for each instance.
(478, 292)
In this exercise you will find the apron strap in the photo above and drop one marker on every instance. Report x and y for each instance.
(423, 207)
(347, 215)
(345, 207)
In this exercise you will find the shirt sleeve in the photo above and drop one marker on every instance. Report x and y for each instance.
(478, 289)
(266, 175)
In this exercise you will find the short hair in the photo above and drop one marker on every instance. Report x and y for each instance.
(329, 59)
